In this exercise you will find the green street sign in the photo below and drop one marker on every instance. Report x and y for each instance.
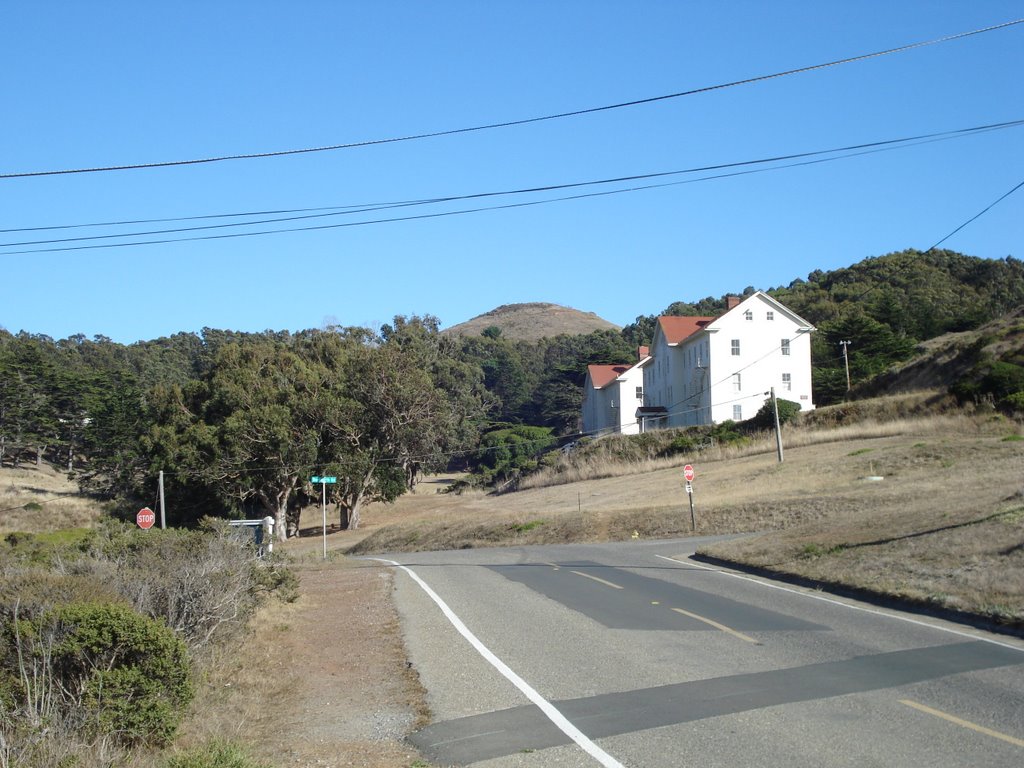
(318, 479)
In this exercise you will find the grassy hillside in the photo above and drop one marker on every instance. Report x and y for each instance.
(34, 500)
(533, 321)
(964, 362)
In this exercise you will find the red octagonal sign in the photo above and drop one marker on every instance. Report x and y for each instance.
(688, 473)
(145, 518)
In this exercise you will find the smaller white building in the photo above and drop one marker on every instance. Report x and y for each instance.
(611, 396)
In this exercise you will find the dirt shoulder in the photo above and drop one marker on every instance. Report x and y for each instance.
(321, 682)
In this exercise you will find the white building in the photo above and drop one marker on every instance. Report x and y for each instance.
(704, 370)
(611, 396)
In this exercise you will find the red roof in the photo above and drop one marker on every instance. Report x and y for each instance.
(676, 329)
(603, 375)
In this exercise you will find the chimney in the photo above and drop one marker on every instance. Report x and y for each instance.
(642, 352)
(731, 302)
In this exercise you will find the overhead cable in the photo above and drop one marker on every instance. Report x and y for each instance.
(810, 158)
(976, 216)
(518, 122)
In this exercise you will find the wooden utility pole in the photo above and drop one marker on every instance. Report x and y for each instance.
(778, 430)
(163, 510)
(846, 362)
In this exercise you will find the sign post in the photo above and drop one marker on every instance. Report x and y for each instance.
(688, 475)
(145, 518)
(324, 481)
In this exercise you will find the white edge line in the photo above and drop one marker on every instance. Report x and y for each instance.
(842, 604)
(545, 706)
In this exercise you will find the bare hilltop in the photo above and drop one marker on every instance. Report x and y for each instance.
(533, 321)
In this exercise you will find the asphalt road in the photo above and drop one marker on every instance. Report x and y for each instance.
(630, 655)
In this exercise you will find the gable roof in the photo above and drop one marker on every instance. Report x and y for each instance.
(777, 305)
(603, 375)
(676, 329)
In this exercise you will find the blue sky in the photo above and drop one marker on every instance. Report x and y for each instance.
(103, 84)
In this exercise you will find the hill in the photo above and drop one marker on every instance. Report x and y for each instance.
(533, 321)
(984, 362)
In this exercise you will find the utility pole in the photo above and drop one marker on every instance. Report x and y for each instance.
(163, 513)
(846, 362)
(778, 431)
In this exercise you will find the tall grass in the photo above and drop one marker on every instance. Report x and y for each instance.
(34, 500)
(606, 458)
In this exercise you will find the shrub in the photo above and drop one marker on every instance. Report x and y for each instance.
(1014, 402)
(33, 591)
(203, 584)
(683, 444)
(727, 432)
(507, 452)
(216, 754)
(46, 548)
(765, 417)
(122, 674)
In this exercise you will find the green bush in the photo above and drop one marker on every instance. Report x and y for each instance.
(683, 444)
(34, 591)
(1014, 402)
(216, 754)
(46, 548)
(1003, 379)
(727, 432)
(507, 452)
(127, 673)
(765, 417)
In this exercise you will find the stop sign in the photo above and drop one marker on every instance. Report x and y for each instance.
(688, 473)
(145, 518)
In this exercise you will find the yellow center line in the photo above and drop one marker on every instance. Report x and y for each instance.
(963, 723)
(716, 625)
(599, 581)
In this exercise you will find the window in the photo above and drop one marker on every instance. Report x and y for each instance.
(787, 382)
(737, 413)
(785, 346)
(736, 346)
(737, 384)
(640, 392)
(769, 315)
(749, 315)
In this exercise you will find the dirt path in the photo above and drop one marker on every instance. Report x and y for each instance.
(322, 682)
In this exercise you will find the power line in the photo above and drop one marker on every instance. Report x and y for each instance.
(522, 121)
(345, 210)
(850, 151)
(976, 216)
(202, 217)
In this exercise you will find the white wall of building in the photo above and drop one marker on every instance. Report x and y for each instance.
(700, 380)
(630, 396)
(612, 408)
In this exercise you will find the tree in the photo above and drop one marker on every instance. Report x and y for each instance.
(505, 375)
(27, 417)
(559, 397)
(112, 438)
(415, 404)
(259, 402)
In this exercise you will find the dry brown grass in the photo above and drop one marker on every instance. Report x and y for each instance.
(943, 524)
(34, 500)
